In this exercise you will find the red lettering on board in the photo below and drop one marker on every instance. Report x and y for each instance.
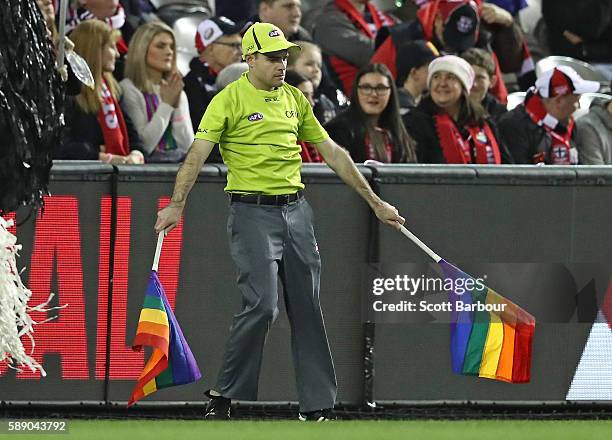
(57, 245)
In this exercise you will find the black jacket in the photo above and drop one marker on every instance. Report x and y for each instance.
(589, 19)
(524, 137)
(421, 126)
(236, 10)
(83, 136)
(494, 108)
(406, 101)
(200, 89)
(325, 109)
(342, 129)
(345, 130)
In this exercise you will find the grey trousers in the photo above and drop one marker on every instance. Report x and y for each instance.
(267, 242)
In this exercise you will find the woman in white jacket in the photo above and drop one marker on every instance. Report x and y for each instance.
(153, 94)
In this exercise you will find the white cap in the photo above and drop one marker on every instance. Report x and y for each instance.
(211, 29)
(455, 65)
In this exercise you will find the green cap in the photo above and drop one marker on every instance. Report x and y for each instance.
(264, 38)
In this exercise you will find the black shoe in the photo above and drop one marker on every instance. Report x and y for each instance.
(218, 408)
(322, 415)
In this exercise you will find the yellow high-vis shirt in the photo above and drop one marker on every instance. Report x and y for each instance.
(257, 132)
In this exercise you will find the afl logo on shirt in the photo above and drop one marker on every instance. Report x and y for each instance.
(255, 117)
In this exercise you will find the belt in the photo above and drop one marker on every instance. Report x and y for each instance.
(262, 199)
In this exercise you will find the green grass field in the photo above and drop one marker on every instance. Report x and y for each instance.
(338, 430)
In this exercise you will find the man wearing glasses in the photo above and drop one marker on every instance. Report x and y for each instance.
(257, 121)
(218, 43)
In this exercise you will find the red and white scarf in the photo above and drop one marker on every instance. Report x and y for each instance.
(75, 16)
(480, 147)
(380, 19)
(561, 151)
(346, 71)
(371, 148)
(113, 125)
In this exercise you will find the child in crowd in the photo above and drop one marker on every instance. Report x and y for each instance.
(484, 80)
(309, 62)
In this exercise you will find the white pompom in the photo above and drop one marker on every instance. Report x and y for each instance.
(14, 296)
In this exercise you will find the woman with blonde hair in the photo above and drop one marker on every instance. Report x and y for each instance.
(154, 96)
(96, 128)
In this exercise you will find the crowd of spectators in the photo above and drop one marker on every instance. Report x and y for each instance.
(432, 88)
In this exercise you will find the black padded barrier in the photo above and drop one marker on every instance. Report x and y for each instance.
(469, 214)
(505, 214)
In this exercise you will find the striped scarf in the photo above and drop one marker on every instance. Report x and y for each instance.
(167, 142)
(76, 16)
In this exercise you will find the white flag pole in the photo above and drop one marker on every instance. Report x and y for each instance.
(63, 8)
(420, 244)
(160, 242)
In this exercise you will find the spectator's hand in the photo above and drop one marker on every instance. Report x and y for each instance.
(171, 88)
(68, 44)
(493, 14)
(389, 215)
(135, 158)
(572, 38)
(63, 70)
(168, 217)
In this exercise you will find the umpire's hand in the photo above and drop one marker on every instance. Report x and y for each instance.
(168, 217)
(388, 214)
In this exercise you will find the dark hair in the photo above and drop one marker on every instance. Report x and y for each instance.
(294, 78)
(403, 145)
(481, 58)
(470, 112)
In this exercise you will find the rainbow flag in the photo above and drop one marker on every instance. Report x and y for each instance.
(171, 362)
(490, 336)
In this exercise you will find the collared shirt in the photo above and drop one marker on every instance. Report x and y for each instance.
(257, 132)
